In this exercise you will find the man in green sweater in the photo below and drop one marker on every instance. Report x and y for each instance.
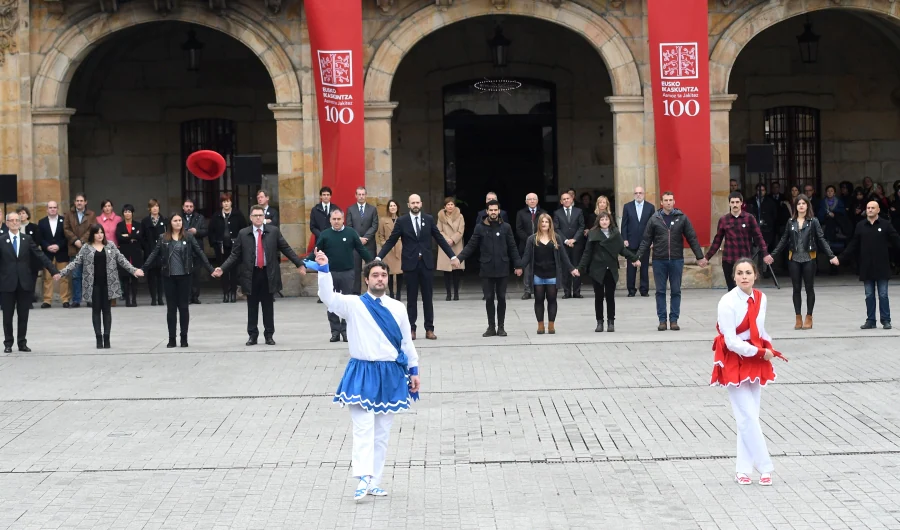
(338, 243)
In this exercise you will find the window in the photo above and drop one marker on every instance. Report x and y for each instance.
(216, 135)
(795, 133)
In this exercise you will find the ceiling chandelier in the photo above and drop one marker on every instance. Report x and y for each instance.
(499, 46)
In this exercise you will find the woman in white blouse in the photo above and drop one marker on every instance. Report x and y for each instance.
(743, 366)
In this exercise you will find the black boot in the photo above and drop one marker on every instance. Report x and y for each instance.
(134, 296)
(184, 343)
(226, 298)
(610, 325)
(99, 342)
(500, 331)
(171, 343)
(599, 328)
(491, 331)
(106, 341)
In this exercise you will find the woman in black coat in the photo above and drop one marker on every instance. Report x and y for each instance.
(223, 230)
(130, 236)
(176, 251)
(549, 264)
(601, 262)
(153, 227)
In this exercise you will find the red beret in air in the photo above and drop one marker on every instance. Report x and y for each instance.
(206, 165)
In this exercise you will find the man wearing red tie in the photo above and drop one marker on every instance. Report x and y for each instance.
(257, 248)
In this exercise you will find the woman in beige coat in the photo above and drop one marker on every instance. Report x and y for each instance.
(385, 227)
(451, 225)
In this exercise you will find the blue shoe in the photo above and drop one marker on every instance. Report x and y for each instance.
(377, 492)
(362, 489)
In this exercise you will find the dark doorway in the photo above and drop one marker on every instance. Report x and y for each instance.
(505, 157)
(502, 143)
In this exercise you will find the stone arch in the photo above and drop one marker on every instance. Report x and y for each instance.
(598, 32)
(55, 72)
(758, 19)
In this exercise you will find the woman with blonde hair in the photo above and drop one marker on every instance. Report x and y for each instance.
(600, 206)
(451, 225)
(385, 227)
(549, 262)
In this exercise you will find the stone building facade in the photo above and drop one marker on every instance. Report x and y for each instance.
(95, 96)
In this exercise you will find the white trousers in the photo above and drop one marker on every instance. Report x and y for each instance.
(371, 433)
(751, 444)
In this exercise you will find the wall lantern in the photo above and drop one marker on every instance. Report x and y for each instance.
(499, 48)
(809, 43)
(193, 48)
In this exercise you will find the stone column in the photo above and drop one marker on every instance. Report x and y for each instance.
(50, 127)
(379, 174)
(288, 123)
(719, 107)
(292, 210)
(628, 145)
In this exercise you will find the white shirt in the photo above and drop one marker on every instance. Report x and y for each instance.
(327, 207)
(366, 340)
(361, 208)
(639, 207)
(416, 218)
(18, 246)
(733, 308)
(52, 221)
(257, 233)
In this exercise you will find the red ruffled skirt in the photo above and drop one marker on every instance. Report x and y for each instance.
(732, 369)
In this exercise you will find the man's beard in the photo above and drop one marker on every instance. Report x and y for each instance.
(376, 290)
(494, 218)
(414, 210)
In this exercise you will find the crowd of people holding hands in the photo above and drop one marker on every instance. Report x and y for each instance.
(97, 257)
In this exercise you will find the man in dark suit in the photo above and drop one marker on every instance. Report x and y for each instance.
(262, 199)
(569, 221)
(491, 196)
(765, 209)
(363, 219)
(320, 216)
(635, 216)
(526, 224)
(416, 230)
(194, 224)
(257, 248)
(56, 248)
(17, 249)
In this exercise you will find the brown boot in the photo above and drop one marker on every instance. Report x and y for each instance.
(808, 323)
(540, 328)
(798, 324)
(550, 328)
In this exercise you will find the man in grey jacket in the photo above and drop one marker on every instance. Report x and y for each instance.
(666, 231)
(363, 219)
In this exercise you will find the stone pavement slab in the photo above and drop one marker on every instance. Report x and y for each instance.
(575, 430)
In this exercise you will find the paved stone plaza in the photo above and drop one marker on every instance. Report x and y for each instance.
(576, 430)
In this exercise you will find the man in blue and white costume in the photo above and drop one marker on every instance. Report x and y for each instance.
(382, 377)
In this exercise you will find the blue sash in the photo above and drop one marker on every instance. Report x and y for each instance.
(391, 330)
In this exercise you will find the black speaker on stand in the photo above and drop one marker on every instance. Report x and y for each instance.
(247, 171)
(760, 160)
(9, 191)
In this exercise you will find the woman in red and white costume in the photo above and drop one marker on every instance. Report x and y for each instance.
(743, 366)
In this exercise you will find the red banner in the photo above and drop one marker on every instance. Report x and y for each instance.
(679, 72)
(335, 37)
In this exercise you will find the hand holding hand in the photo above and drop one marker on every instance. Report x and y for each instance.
(769, 355)
(834, 261)
(53, 248)
(217, 273)
(637, 264)
(703, 263)
(56, 277)
(575, 273)
(302, 270)
(768, 260)
(192, 231)
(518, 272)
(364, 240)
(139, 273)
(414, 383)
